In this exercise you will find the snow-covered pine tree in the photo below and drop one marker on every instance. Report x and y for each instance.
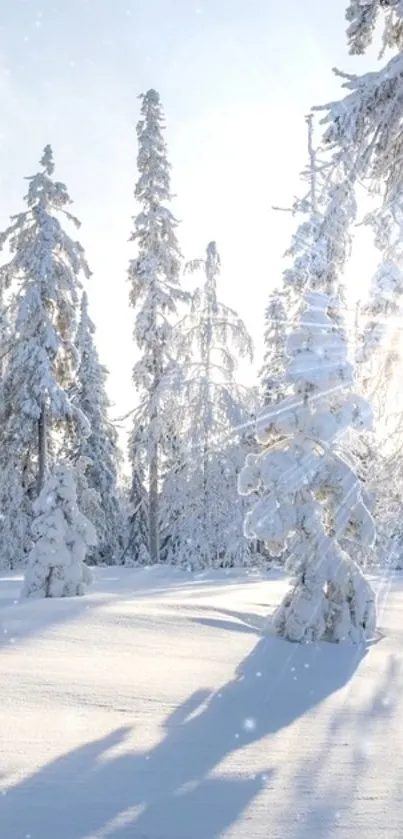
(199, 495)
(310, 495)
(61, 538)
(363, 129)
(155, 294)
(99, 448)
(43, 277)
(284, 308)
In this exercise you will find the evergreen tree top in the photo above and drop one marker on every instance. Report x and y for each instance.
(151, 97)
(46, 194)
(153, 186)
(44, 276)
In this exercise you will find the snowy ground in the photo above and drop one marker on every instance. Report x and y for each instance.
(158, 707)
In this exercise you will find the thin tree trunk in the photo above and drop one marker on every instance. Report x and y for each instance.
(206, 448)
(207, 416)
(153, 501)
(206, 433)
(153, 506)
(42, 450)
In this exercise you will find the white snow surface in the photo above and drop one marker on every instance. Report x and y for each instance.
(161, 707)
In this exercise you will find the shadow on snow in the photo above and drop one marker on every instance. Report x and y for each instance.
(176, 791)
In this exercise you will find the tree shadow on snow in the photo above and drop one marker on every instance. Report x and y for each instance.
(220, 623)
(241, 621)
(176, 790)
(328, 787)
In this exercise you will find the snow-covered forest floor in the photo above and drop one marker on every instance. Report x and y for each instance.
(160, 707)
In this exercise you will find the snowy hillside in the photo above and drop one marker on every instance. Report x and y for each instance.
(159, 707)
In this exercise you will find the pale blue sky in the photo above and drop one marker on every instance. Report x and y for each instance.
(236, 78)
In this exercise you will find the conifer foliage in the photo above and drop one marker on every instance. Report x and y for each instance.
(42, 277)
(99, 448)
(155, 294)
(62, 536)
(310, 495)
(362, 17)
(200, 507)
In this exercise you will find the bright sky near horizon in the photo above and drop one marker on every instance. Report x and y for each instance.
(236, 78)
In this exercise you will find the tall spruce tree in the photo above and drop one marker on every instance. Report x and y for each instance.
(42, 274)
(310, 495)
(155, 293)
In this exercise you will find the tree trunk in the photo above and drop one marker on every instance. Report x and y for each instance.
(153, 506)
(42, 450)
(206, 448)
(153, 454)
(207, 428)
(210, 304)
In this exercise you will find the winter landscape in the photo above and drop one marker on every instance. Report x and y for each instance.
(201, 581)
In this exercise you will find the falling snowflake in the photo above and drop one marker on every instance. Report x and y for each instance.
(366, 748)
